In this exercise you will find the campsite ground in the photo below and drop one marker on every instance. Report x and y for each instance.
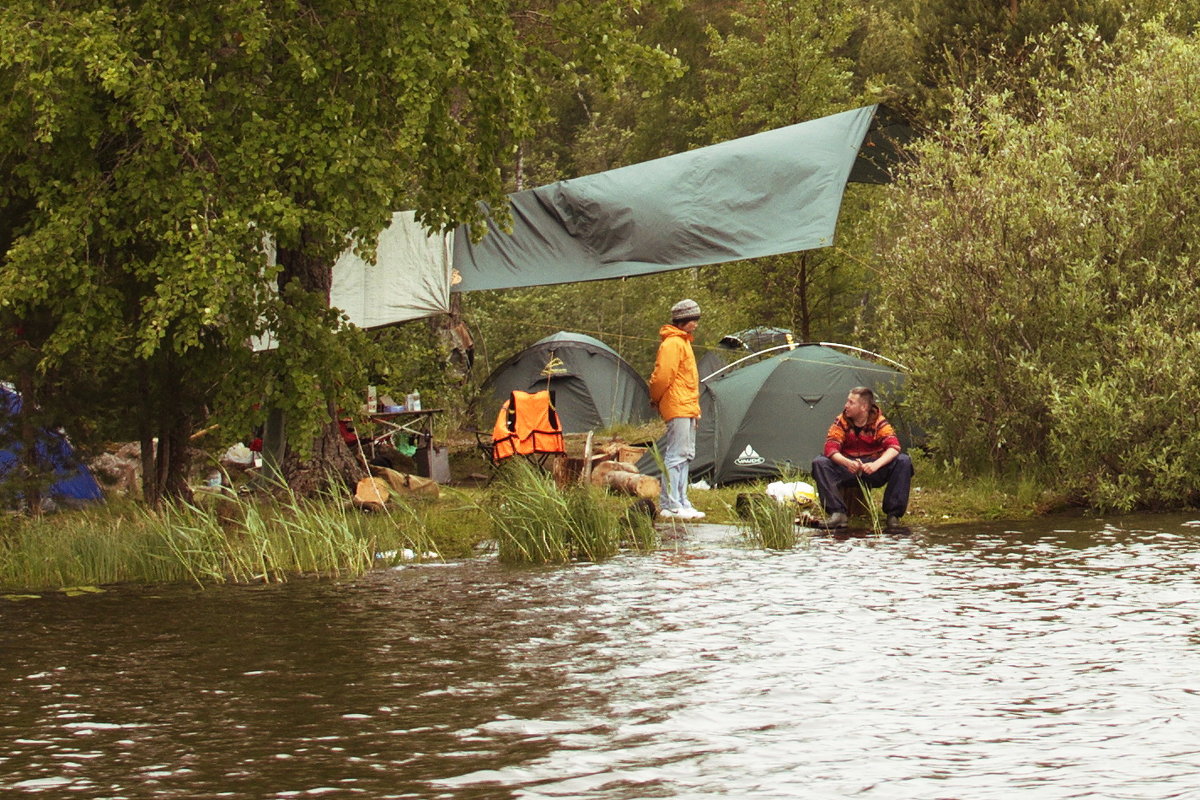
(940, 495)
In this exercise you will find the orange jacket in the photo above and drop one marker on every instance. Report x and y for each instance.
(675, 383)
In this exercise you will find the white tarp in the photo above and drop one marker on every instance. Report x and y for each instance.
(409, 280)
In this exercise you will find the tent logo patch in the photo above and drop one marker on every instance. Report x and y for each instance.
(748, 458)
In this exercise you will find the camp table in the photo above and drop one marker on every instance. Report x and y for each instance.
(417, 424)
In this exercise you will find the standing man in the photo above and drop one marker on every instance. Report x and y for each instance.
(862, 446)
(675, 392)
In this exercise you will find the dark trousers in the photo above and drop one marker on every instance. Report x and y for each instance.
(831, 477)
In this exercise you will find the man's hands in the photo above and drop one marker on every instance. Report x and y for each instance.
(855, 466)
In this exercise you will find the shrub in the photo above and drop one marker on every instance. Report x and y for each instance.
(1041, 272)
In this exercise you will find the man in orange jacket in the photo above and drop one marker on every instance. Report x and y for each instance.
(675, 392)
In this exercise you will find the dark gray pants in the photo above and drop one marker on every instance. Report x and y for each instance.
(831, 477)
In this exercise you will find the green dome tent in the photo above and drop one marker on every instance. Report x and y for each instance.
(593, 386)
(770, 417)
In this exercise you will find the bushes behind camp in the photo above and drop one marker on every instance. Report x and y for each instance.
(1040, 274)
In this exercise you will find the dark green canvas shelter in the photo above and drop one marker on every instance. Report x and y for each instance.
(594, 387)
(773, 192)
(770, 417)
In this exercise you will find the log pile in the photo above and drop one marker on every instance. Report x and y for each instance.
(374, 493)
(623, 477)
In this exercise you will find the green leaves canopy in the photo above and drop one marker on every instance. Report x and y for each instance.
(148, 148)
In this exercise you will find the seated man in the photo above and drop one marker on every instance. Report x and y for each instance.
(862, 446)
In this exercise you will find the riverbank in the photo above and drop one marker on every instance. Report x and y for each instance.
(226, 537)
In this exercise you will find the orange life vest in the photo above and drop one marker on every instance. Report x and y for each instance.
(527, 424)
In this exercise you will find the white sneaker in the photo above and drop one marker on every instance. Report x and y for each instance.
(667, 513)
(692, 513)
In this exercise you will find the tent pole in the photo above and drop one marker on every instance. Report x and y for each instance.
(793, 346)
(868, 352)
(274, 446)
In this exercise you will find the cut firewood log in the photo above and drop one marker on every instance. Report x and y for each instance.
(371, 494)
(604, 468)
(632, 483)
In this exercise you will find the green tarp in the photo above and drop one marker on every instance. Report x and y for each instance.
(770, 193)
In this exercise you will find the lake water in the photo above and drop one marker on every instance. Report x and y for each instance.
(1046, 659)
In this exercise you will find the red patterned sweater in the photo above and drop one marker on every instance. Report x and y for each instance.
(867, 442)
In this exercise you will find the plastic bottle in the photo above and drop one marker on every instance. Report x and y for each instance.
(415, 405)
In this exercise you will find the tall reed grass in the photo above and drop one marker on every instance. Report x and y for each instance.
(638, 527)
(536, 522)
(870, 501)
(218, 539)
(767, 523)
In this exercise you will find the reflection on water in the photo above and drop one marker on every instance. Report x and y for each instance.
(1054, 659)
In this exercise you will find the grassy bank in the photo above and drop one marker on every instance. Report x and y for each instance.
(222, 538)
(227, 539)
(940, 496)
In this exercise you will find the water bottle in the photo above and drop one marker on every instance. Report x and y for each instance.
(415, 402)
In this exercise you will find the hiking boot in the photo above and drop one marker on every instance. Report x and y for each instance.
(894, 522)
(837, 519)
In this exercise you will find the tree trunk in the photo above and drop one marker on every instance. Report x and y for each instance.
(179, 458)
(164, 438)
(303, 264)
(331, 460)
(166, 463)
(31, 468)
(332, 464)
(805, 313)
(455, 335)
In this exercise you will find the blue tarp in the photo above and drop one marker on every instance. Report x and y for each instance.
(73, 480)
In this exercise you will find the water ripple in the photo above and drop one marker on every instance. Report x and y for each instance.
(1052, 659)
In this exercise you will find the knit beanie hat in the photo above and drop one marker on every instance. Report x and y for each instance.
(685, 311)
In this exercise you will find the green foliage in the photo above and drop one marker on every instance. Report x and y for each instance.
(1041, 276)
(767, 523)
(780, 65)
(537, 523)
(219, 539)
(916, 55)
(148, 149)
